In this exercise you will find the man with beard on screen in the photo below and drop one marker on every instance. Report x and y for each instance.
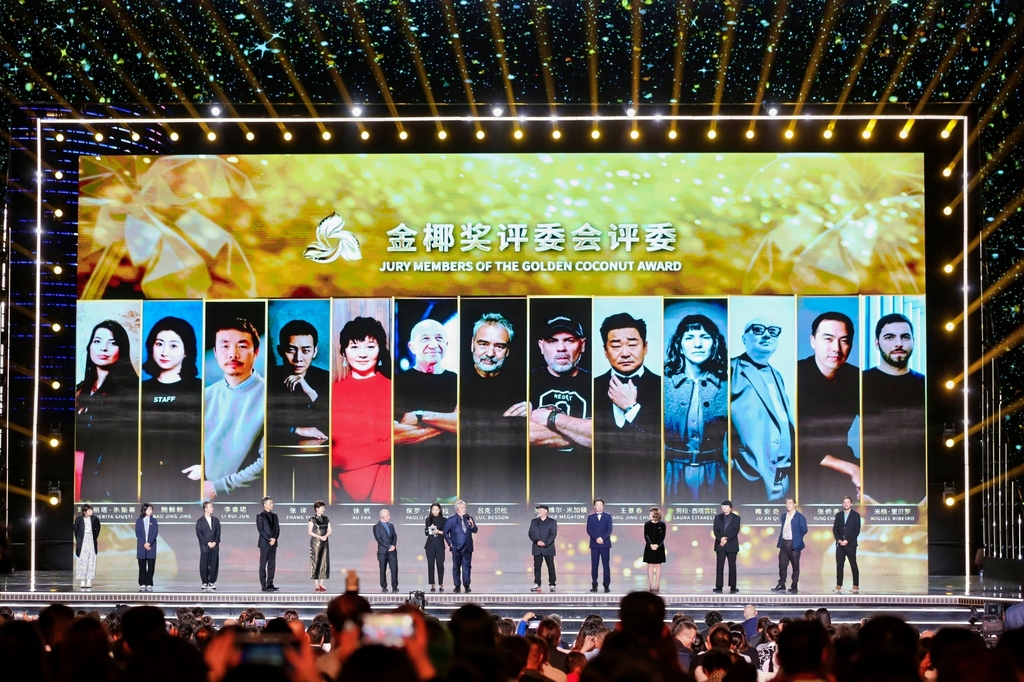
(627, 415)
(828, 390)
(894, 417)
(426, 412)
(493, 424)
(560, 420)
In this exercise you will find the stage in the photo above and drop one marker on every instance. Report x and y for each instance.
(926, 603)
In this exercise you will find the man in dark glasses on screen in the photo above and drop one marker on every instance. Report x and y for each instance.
(762, 419)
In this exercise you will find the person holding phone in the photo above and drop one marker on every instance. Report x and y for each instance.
(208, 533)
(319, 529)
(87, 533)
(434, 547)
(146, 532)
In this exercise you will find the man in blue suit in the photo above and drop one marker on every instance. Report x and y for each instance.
(791, 541)
(599, 528)
(458, 534)
(387, 550)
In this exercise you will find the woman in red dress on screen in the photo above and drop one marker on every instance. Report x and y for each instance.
(361, 447)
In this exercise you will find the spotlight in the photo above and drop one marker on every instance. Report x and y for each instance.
(712, 134)
(789, 134)
(950, 326)
(950, 384)
(54, 441)
(904, 133)
(99, 137)
(518, 134)
(174, 137)
(479, 134)
(948, 494)
(595, 133)
(948, 268)
(357, 111)
(631, 112)
(947, 211)
(441, 134)
(58, 213)
(326, 135)
(215, 111)
(55, 385)
(55, 326)
(58, 175)
(944, 134)
(750, 134)
(497, 111)
(211, 136)
(772, 111)
(136, 137)
(403, 135)
(946, 172)
(557, 134)
(635, 134)
(287, 136)
(250, 136)
(672, 134)
(60, 137)
(365, 135)
(948, 433)
(866, 134)
(53, 493)
(57, 269)
(827, 134)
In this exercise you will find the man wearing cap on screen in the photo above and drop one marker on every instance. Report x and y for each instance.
(560, 417)
(762, 419)
(543, 531)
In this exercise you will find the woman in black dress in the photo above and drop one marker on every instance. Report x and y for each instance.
(106, 422)
(435, 548)
(319, 529)
(654, 549)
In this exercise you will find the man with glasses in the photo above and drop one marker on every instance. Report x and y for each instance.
(762, 419)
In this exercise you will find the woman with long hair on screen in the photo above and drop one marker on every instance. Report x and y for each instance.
(319, 529)
(106, 422)
(87, 533)
(361, 447)
(171, 412)
(696, 412)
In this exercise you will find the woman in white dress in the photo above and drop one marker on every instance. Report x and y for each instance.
(87, 533)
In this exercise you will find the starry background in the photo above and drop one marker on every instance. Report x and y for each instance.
(464, 53)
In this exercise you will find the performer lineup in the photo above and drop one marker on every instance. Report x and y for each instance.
(455, 534)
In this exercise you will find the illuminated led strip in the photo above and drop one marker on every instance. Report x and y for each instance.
(476, 119)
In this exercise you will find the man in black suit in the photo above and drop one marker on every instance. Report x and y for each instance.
(845, 530)
(727, 544)
(269, 530)
(627, 414)
(543, 531)
(208, 532)
(387, 550)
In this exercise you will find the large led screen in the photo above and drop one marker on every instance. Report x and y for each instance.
(377, 331)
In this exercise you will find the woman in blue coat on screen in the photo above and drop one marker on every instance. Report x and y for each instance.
(146, 531)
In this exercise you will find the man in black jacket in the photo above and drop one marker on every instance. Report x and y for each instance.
(208, 532)
(845, 530)
(543, 531)
(727, 530)
(387, 550)
(269, 530)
